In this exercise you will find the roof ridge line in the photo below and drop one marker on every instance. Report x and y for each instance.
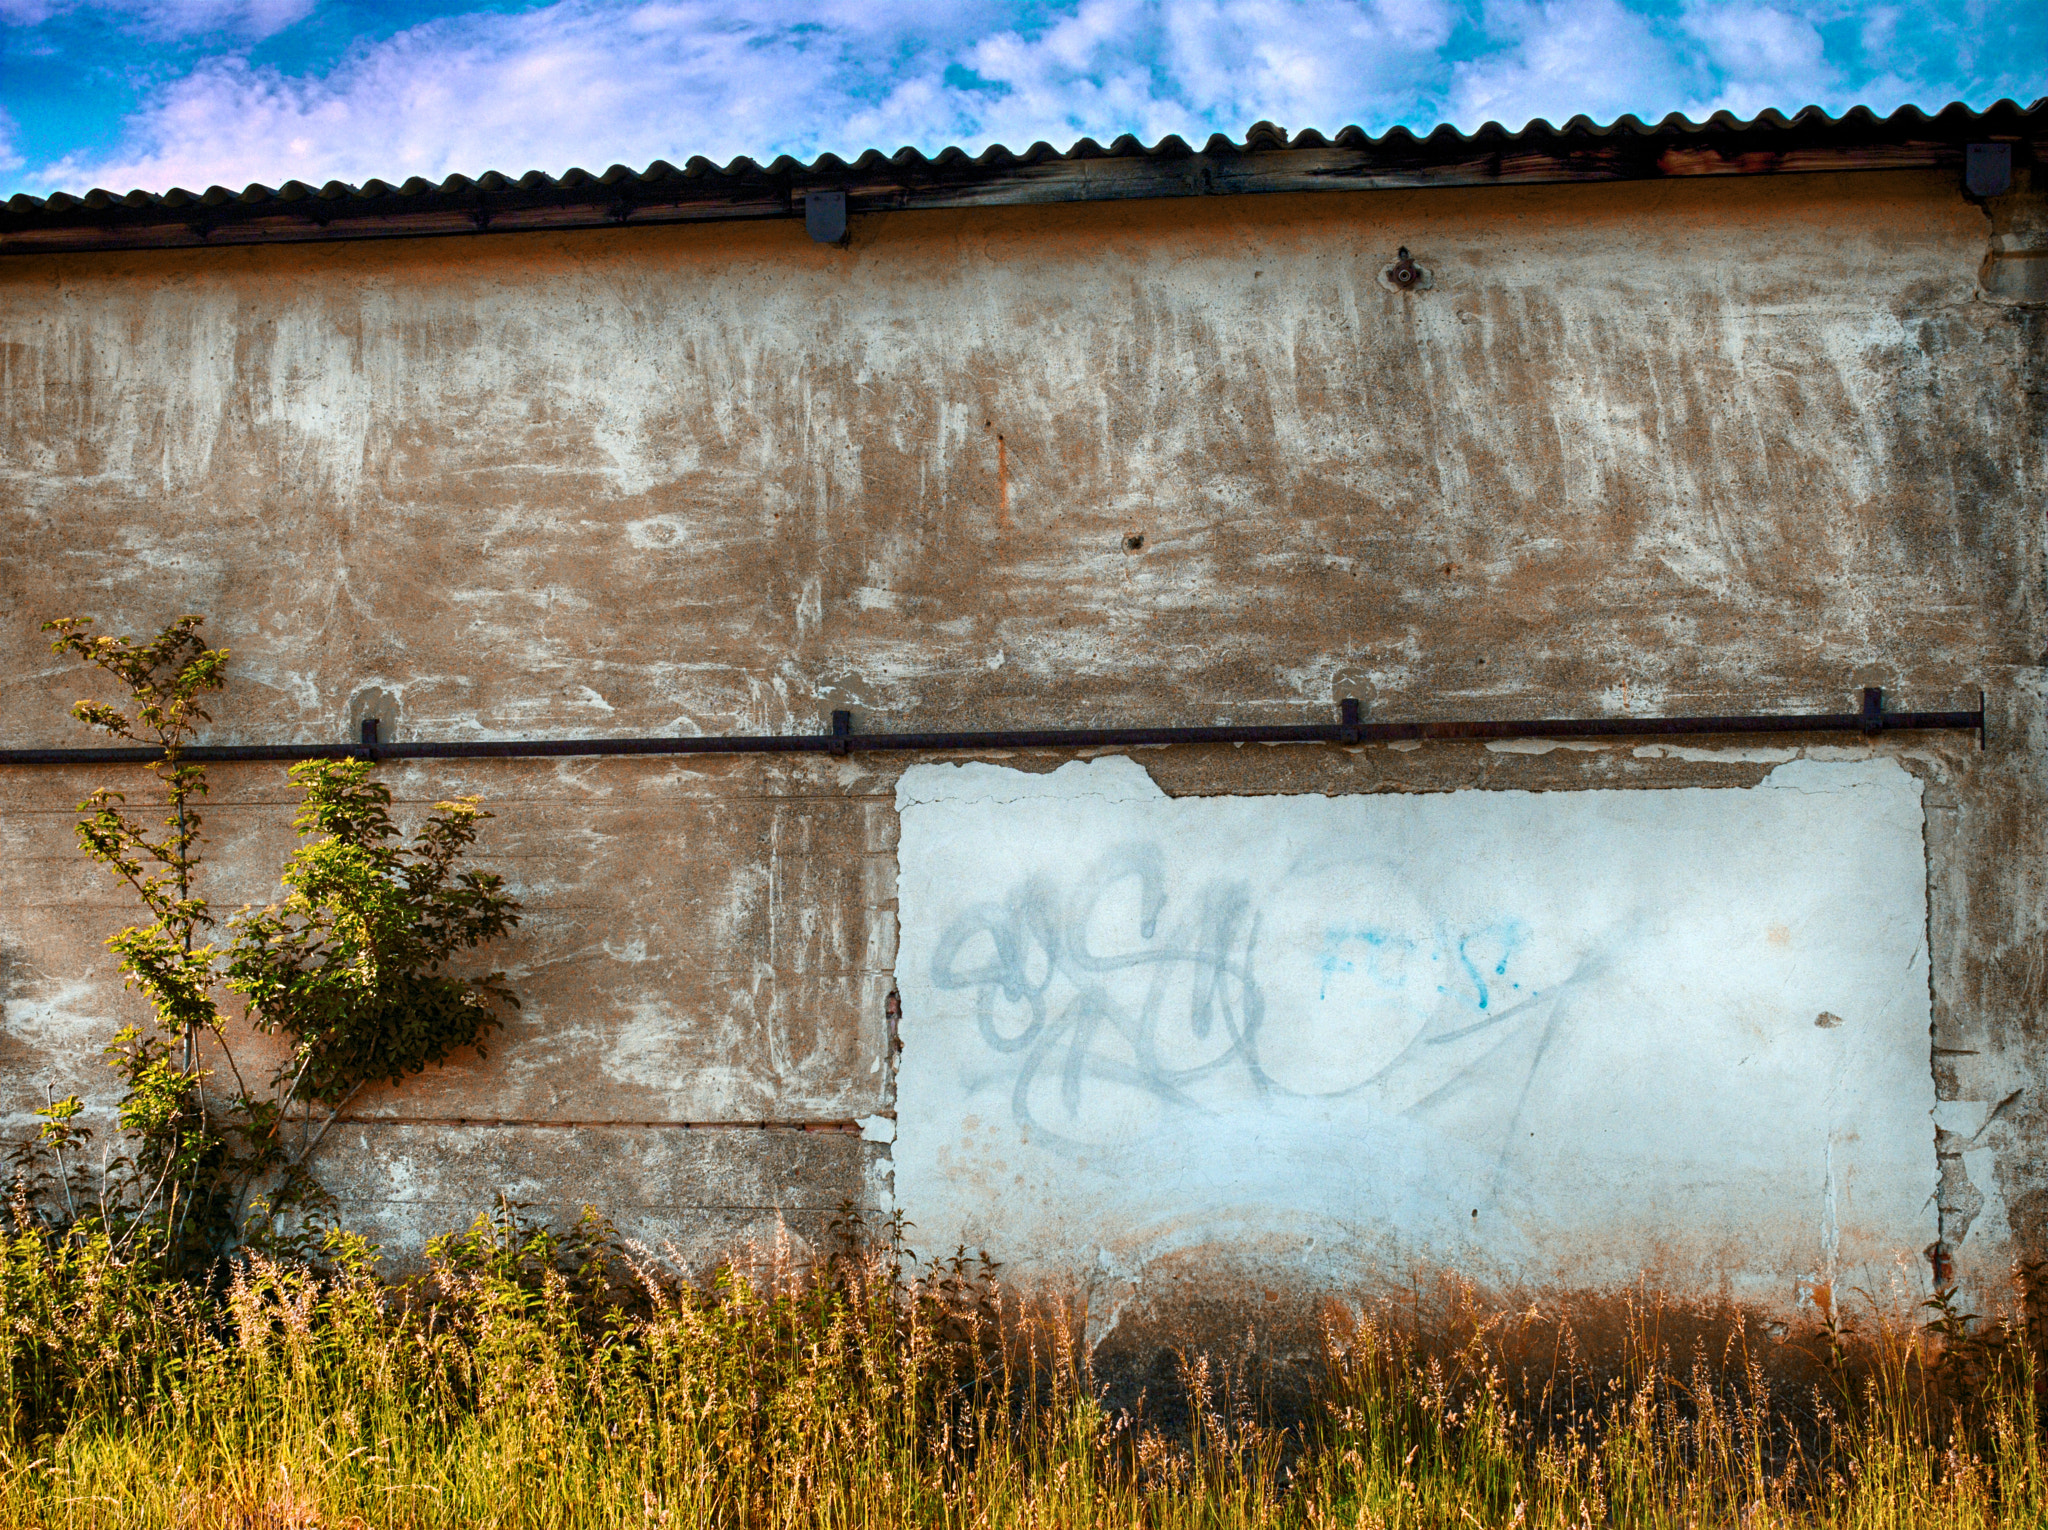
(1268, 158)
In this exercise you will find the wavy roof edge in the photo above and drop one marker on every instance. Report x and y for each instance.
(1267, 160)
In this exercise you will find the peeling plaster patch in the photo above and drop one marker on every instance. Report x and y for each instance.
(1980, 1172)
(1112, 1287)
(1934, 767)
(304, 689)
(1960, 1201)
(1737, 755)
(1539, 745)
(1148, 1025)
(1114, 780)
(879, 1185)
(1834, 778)
(849, 774)
(647, 1052)
(56, 1013)
(878, 1129)
(1965, 1118)
(658, 533)
(1642, 698)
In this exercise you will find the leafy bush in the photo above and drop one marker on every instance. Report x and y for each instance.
(353, 967)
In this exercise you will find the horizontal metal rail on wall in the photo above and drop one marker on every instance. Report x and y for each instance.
(1871, 720)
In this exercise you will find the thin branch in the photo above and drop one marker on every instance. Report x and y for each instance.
(307, 1151)
(220, 1040)
(149, 1200)
(57, 1152)
(284, 1109)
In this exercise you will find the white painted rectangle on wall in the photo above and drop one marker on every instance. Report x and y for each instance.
(1554, 1038)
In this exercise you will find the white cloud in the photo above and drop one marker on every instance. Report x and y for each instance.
(585, 82)
(597, 82)
(247, 19)
(1558, 58)
(1202, 66)
(10, 156)
(1567, 57)
(1763, 56)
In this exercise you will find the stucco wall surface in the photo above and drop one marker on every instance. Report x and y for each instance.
(1535, 1037)
(1745, 446)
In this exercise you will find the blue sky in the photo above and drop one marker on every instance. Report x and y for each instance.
(157, 93)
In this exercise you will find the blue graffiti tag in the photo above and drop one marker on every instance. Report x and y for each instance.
(1383, 953)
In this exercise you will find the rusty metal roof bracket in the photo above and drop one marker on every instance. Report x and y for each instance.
(1987, 169)
(825, 216)
(1869, 720)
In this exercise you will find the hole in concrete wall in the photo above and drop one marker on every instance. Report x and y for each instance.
(1135, 542)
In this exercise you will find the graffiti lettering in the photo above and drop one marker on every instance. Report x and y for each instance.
(1108, 980)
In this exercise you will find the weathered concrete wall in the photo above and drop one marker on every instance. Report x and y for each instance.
(1742, 445)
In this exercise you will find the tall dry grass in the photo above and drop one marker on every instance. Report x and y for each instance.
(530, 1379)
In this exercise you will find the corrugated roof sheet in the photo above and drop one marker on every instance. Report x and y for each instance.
(1267, 160)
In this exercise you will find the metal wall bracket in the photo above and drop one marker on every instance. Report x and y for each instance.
(1987, 169)
(1404, 275)
(825, 216)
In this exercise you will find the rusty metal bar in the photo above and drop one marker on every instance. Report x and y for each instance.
(1869, 720)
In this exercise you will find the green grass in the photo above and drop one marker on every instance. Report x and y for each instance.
(530, 1380)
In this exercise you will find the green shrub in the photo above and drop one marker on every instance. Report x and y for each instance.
(354, 968)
